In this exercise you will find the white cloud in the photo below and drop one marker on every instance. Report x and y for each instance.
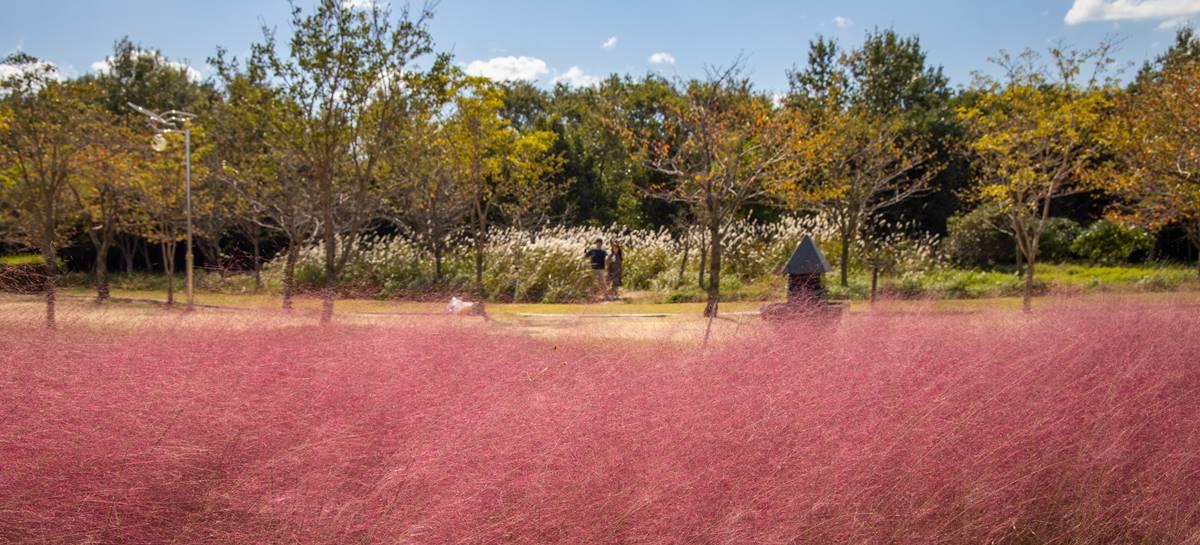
(8, 71)
(358, 4)
(52, 71)
(1085, 11)
(610, 43)
(778, 99)
(103, 66)
(1169, 24)
(842, 22)
(662, 57)
(509, 68)
(575, 77)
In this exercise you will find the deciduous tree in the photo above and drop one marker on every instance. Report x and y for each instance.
(162, 190)
(104, 189)
(865, 165)
(1156, 170)
(271, 186)
(876, 108)
(722, 146)
(43, 137)
(427, 194)
(1035, 136)
(341, 63)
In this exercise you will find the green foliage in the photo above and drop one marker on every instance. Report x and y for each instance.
(1057, 236)
(547, 265)
(1110, 242)
(21, 259)
(974, 239)
(145, 77)
(1186, 49)
(961, 284)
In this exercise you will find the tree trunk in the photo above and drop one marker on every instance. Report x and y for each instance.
(102, 292)
(479, 258)
(168, 255)
(146, 256)
(128, 248)
(874, 282)
(330, 251)
(289, 274)
(212, 256)
(703, 261)
(714, 273)
(255, 248)
(49, 282)
(437, 263)
(683, 262)
(845, 264)
(1027, 302)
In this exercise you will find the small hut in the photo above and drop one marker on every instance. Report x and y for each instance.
(804, 270)
(807, 297)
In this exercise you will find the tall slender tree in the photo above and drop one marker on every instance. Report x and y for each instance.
(1035, 137)
(341, 62)
(1156, 168)
(161, 188)
(270, 186)
(874, 105)
(723, 146)
(427, 197)
(44, 129)
(104, 189)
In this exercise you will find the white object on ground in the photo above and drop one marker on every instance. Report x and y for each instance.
(459, 307)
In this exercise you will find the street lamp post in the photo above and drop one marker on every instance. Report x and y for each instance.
(168, 122)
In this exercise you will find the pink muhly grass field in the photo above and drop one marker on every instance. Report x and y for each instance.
(1078, 426)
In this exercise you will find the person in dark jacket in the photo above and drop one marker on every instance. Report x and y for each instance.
(598, 258)
(616, 269)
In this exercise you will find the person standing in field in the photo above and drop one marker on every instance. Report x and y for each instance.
(598, 257)
(616, 268)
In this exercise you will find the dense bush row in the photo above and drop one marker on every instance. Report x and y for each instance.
(548, 265)
(979, 239)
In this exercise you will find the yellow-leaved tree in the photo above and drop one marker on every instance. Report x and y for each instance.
(1156, 168)
(494, 162)
(722, 146)
(105, 190)
(862, 164)
(44, 132)
(1034, 137)
(162, 192)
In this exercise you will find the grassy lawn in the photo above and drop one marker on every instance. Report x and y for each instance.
(271, 301)
(946, 288)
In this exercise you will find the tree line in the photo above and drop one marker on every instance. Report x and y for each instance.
(354, 123)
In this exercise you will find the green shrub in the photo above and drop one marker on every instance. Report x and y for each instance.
(21, 259)
(1161, 281)
(686, 294)
(1109, 242)
(973, 240)
(1057, 237)
(548, 265)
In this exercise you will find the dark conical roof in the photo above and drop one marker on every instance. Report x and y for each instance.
(807, 259)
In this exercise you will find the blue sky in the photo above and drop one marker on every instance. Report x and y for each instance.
(565, 39)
